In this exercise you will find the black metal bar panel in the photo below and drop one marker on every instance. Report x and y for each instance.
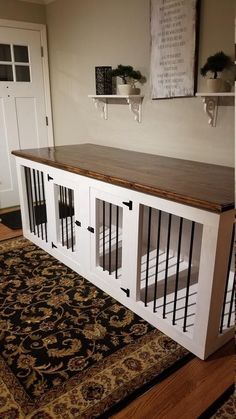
(148, 253)
(117, 238)
(40, 214)
(110, 218)
(36, 200)
(61, 206)
(71, 218)
(157, 259)
(227, 279)
(44, 205)
(167, 265)
(32, 200)
(29, 202)
(231, 303)
(177, 269)
(66, 215)
(189, 276)
(103, 234)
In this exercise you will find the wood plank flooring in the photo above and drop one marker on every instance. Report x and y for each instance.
(8, 233)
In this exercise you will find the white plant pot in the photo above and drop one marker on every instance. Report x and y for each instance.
(215, 85)
(125, 89)
(135, 91)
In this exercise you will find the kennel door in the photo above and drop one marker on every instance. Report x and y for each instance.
(65, 214)
(35, 220)
(107, 237)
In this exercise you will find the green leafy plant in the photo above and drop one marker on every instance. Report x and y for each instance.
(216, 63)
(128, 74)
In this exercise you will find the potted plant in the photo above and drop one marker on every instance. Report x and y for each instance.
(216, 64)
(129, 77)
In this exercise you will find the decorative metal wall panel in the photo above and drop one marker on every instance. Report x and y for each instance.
(103, 80)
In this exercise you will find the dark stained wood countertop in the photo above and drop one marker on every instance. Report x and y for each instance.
(200, 185)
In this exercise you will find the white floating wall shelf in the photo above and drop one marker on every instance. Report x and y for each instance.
(134, 101)
(211, 103)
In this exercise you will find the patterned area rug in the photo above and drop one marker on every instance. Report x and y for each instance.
(67, 349)
(227, 410)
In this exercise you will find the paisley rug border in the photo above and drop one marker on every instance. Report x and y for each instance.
(141, 383)
(146, 386)
(218, 403)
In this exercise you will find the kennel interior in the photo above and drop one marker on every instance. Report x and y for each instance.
(65, 217)
(109, 237)
(36, 202)
(169, 258)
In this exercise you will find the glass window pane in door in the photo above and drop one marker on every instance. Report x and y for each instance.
(22, 73)
(6, 73)
(21, 53)
(5, 52)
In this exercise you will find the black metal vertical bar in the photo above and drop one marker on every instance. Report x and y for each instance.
(157, 259)
(103, 234)
(231, 303)
(177, 269)
(61, 209)
(32, 200)
(26, 169)
(71, 219)
(40, 214)
(148, 253)
(66, 213)
(44, 206)
(117, 238)
(110, 217)
(167, 265)
(189, 276)
(36, 200)
(227, 279)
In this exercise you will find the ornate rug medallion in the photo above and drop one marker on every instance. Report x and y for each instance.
(67, 349)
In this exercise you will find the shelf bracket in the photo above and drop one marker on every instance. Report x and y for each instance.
(211, 109)
(101, 104)
(135, 107)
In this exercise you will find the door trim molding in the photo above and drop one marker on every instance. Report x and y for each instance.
(43, 38)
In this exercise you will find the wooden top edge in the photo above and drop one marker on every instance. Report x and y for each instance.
(127, 180)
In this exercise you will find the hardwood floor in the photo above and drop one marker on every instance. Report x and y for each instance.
(7, 233)
(188, 392)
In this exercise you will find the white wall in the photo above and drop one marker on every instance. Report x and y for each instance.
(86, 33)
(22, 11)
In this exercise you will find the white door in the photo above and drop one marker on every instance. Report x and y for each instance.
(22, 103)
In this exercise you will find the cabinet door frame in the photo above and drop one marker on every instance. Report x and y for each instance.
(53, 211)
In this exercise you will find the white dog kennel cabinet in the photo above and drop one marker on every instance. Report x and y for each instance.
(156, 233)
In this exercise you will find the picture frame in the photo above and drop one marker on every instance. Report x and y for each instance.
(174, 48)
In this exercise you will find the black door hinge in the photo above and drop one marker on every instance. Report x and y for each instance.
(50, 178)
(127, 291)
(46, 117)
(128, 204)
(78, 223)
(91, 229)
(53, 245)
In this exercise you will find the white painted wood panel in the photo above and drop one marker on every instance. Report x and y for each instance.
(22, 106)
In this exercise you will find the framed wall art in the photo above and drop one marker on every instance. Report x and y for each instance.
(174, 30)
